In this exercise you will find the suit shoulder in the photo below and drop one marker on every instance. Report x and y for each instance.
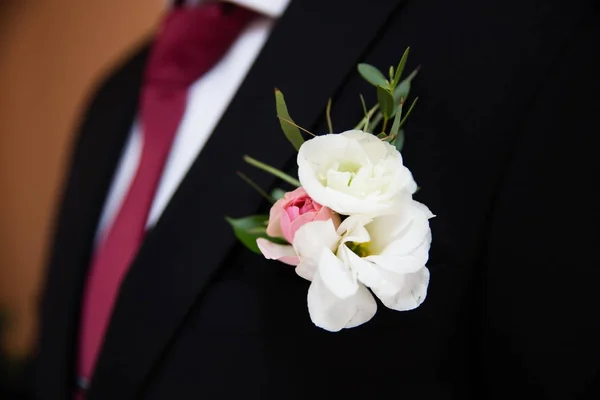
(117, 80)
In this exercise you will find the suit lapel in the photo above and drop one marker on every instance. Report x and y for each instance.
(100, 143)
(311, 51)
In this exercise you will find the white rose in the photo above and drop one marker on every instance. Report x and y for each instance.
(354, 173)
(387, 254)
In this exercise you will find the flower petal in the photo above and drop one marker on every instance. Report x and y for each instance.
(404, 263)
(400, 243)
(413, 234)
(309, 242)
(306, 270)
(291, 227)
(353, 229)
(353, 172)
(412, 294)
(274, 251)
(332, 313)
(424, 209)
(326, 213)
(336, 276)
(274, 228)
(370, 274)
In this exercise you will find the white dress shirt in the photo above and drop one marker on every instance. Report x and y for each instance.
(208, 98)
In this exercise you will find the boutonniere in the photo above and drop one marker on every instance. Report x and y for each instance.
(351, 227)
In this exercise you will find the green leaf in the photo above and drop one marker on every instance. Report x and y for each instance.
(248, 229)
(372, 75)
(401, 66)
(277, 194)
(402, 90)
(396, 124)
(292, 123)
(399, 141)
(386, 102)
(292, 133)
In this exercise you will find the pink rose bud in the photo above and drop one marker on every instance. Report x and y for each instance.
(295, 209)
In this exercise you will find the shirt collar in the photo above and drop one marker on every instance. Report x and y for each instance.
(269, 8)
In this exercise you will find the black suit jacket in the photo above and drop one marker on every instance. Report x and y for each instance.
(502, 145)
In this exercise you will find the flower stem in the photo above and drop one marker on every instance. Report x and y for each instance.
(297, 126)
(364, 123)
(256, 187)
(376, 120)
(385, 121)
(328, 114)
(272, 170)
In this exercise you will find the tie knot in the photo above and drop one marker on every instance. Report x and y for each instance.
(192, 40)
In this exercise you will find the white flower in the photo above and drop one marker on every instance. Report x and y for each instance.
(354, 172)
(387, 254)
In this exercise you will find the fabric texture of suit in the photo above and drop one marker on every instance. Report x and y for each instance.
(502, 145)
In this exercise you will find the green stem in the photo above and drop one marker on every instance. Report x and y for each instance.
(408, 112)
(366, 119)
(272, 170)
(376, 120)
(256, 187)
(384, 127)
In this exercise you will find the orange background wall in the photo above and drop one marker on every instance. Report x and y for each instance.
(51, 53)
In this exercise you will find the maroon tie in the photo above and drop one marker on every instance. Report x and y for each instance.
(191, 41)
